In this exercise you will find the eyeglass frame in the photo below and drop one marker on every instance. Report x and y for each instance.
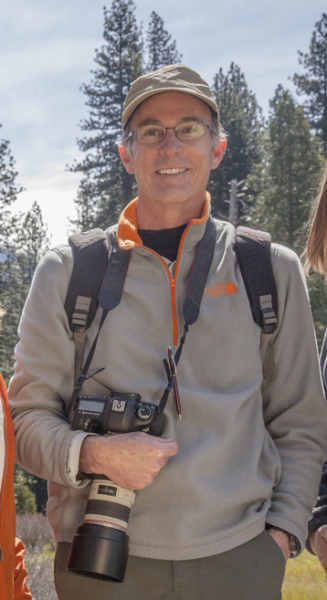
(166, 129)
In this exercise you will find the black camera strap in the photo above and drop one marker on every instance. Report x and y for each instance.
(194, 293)
(109, 297)
(81, 378)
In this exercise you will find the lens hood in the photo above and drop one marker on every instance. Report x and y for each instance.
(100, 552)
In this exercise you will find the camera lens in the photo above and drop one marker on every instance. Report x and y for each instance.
(100, 545)
(143, 413)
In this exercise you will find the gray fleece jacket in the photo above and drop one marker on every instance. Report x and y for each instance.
(248, 453)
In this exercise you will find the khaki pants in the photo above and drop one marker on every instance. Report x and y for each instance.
(252, 571)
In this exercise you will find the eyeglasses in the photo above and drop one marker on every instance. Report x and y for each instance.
(187, 131)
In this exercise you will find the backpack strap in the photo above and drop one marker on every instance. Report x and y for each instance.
(114, 278)
(96, 280)
(199, 273)
(90, 251)
(252, 249)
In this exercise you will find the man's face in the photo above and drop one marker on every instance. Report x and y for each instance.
(172, 171)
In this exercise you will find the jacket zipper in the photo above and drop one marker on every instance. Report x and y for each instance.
(172, 281)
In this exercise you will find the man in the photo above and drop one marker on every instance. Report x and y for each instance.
(243, 457)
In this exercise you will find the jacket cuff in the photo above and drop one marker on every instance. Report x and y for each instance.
(73, 460)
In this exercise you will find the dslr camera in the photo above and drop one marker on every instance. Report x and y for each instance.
(100, 545)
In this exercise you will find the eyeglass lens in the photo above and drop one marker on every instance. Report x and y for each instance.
(154, 134)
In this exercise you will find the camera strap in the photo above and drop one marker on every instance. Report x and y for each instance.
(109, 297)
(194, 293)
(112, 288)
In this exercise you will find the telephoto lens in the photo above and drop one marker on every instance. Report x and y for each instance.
(100, 545)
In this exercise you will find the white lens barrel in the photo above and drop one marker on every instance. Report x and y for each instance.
(109, 504)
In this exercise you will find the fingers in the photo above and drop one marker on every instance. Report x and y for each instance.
(323, 532)
(282, 540)
(143, 441)
(318, 543)
(133, 460)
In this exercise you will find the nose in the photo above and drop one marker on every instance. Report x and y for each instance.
(170, 145)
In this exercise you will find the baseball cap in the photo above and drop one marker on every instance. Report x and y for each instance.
(170, 78)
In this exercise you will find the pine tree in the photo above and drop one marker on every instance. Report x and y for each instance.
(20, 253)
(283, 184)
(8, 185)
(314, 83)
(241, 118)
(8, 190)
(31, 240)
(160, 47)
(106, 187)
(23, 240)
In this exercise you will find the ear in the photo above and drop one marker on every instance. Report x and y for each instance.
(126, 159)
(218, 152)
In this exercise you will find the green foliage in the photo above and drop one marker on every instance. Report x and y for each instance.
(318, 299)
(8, 187)
(25, 501)
(314, 83)
(241, 117)
(281, 187)
(23, 240)
(106, 187)
(161, 49)
(22, 248)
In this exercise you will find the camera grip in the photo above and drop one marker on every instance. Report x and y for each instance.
(157, 426)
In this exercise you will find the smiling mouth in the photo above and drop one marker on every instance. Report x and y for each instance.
(171, 171)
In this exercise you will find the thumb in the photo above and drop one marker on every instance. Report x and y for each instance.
(169, 447)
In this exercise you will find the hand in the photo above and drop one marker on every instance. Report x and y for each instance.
(318, 544)
(131, 460)
(282, 540)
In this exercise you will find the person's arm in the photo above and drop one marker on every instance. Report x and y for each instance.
(42, 385)
(317, 529)
(21, 590)
(295, 410)
(317, 538)
(41, 389)
(318, 545)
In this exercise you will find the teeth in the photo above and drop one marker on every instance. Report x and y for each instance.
(171, 171)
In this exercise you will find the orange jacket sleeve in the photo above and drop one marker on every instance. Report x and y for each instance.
(21, 591)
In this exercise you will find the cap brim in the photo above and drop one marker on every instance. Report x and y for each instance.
(140, 98)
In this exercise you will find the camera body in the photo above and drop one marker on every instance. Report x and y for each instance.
(120, 412)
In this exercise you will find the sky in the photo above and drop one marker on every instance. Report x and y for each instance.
(47, 53)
